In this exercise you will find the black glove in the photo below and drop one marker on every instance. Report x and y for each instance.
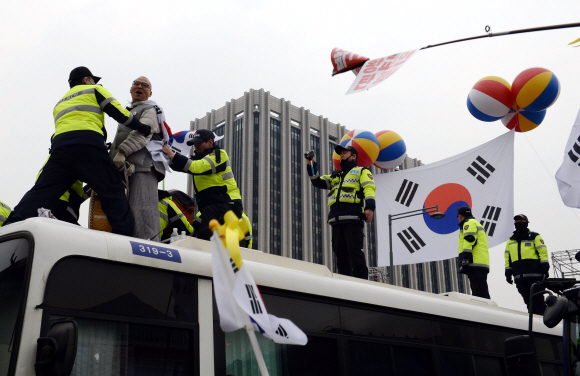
(546, 269)
(145, 129)
(508, 276)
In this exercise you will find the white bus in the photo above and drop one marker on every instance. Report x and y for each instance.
(135, 307)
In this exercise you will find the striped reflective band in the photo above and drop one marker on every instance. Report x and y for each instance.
(479, 228)
(164, 217)
(82, 107)
(325, 178)
(467, 250)
(470, 233)
(176, 217)
(528, 275)
(512, 243)
(197, 219)
(72, 212)
(208, 159)
(344, 218)
(315, 176)
(480, 265)
(540, 246)
(367, 183)
(129, 120)
(228, 175)
(2, 218)
(187, 165)
(82, 92)
(6, 206)
(106, 102)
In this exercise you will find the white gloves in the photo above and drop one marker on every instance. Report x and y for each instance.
(119, 159)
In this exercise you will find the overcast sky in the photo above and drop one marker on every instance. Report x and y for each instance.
(198, 55)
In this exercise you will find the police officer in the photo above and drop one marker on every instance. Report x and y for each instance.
(473, 252)
(170, 216)
(78, 151)
(526, 259)
(4, 212)
(216, 190)
(352, 202)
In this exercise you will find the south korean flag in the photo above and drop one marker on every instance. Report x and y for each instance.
(481, 178)
(568, 175)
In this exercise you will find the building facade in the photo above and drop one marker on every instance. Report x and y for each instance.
(266, 138)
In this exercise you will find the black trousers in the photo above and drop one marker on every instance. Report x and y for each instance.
(347, 246)
(539, 303)
(86, 163)
(210, 212)
(478, 283)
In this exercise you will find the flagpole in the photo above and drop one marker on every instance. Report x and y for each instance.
(256, 348)
(519, 31)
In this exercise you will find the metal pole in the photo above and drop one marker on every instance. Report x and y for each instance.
(390, 250)
(520, 31)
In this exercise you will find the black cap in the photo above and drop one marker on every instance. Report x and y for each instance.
(201, 135)
(521, 217)
(464, 211)
(80, 72)
(338, 149)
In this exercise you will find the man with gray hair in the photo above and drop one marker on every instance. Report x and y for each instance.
(131, 150)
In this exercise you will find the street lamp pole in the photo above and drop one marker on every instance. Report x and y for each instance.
(433, 212)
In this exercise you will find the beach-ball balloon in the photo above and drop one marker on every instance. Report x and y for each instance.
(490, 99)
(521, 120)
(365, 143)
(392, 150)
(535, 89)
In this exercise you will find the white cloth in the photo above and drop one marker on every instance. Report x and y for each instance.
(156, 147)
(238, 300)
(481, 178)
(568, 175)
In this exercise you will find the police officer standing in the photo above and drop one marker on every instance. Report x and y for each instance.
(526, 259)
(216, 190)
(78, 151)
(352, 202)
(473, 252)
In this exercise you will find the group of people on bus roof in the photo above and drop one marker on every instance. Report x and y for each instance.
(135, 207)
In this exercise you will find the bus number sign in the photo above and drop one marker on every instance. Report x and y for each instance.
(156, 252)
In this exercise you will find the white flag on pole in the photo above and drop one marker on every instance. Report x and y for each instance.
(568, 175)
(481, 178)
(237, 297)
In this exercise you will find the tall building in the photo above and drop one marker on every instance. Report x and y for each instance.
(266, 138)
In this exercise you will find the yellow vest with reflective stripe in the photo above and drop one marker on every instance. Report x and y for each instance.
(4, 212)
(478, 247)
(79, 110)
(357, 179)
(527, 259)
(164, 218)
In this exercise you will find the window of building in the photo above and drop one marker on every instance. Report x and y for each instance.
(236, 155)
(275, 188)
(313, 131)
(420, 277)
(294, 122)
(405, 275)
(447, 275)
(219, 131)
(297, 170)
(255, 179)
(317, 219)
(274, 113)
(434, 281)
(333, 138)
(239, 114)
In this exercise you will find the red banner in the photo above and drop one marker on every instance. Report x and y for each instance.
(343, 61)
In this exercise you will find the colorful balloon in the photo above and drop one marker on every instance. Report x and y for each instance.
(522, 121)
(490, 99)
(535, 89)
(365, 143)
(392, 150)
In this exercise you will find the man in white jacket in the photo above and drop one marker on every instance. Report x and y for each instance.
(131, 146)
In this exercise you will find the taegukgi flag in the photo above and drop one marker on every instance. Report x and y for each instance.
(568, 175)
(481, 178)
(237, 295)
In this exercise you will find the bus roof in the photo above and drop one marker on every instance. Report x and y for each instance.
(54, 240)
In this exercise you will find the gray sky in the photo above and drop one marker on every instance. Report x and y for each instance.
(198, 55)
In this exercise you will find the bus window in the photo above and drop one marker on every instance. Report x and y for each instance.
(370, 358)
(318, 358)
(378, 324)
(13, 261)
(116, 348)
(453, 364)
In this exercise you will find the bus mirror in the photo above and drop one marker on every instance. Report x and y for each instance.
(557, 308)
(57, 351)
(520, 356)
